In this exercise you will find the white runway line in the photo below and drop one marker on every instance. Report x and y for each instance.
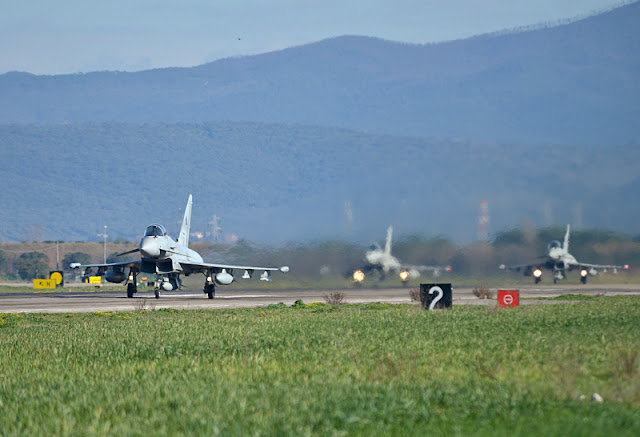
(226, 296)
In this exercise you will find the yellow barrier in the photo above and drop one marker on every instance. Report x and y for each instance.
(95, 279)
(44, 283)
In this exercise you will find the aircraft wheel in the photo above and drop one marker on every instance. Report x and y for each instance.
(537, 280)
(210, 290)
(157, 293)
(131, 288)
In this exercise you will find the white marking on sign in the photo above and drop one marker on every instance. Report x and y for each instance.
(438, 297)
(508, 299)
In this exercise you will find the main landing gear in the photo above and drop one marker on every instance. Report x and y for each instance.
(131, 285)
(209, 285)
(131, 289)
(210, 290)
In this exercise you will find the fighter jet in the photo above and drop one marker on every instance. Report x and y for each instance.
(559, 261)
(168, 259)
(380, 262)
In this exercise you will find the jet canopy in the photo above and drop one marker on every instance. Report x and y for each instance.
(155, 231)
(553, 245)
(374, 247)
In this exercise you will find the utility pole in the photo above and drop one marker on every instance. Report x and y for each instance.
(105, 244)
(483, 222)
(215, 227)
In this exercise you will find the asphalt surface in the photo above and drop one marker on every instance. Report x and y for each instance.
(93, 301)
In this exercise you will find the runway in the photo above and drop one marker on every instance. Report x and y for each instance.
(89, 301)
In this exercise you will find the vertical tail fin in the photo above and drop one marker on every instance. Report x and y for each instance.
(387, 245)
(565, 244)
(183, 238)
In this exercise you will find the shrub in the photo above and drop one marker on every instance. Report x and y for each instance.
(483, 292)
(414, 294)
(298, 304)
(335, 298)
(143, 305)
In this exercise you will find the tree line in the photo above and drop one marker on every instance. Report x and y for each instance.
(312, 258)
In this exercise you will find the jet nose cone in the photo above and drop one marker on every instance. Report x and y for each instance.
(149, 247)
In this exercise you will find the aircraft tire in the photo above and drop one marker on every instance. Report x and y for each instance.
(211, 291)
(157, 293)
(130, 290)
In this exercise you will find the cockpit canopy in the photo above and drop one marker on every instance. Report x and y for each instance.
(374, 247)
(553, 245)
(155, 231)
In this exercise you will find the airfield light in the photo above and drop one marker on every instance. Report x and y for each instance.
(404, 276)
(358, 276)
(537, 273)
(584, 273)
(626, 266)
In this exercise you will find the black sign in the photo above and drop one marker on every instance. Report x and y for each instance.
(436, 296)
(58, 276)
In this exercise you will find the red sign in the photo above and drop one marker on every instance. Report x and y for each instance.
(508, 298)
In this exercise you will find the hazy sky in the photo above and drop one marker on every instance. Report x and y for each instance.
(68, 36)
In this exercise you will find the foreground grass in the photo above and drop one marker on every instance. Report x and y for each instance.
(321, 370)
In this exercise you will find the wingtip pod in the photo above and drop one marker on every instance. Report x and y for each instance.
(284, 269)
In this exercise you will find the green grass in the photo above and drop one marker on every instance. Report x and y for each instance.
(324, 370)
(568, 297)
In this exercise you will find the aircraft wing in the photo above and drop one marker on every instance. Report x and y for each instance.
(424, 268)
(106, 266)
(216, 268)
(518, 267)
(600, 266)
(416, 270)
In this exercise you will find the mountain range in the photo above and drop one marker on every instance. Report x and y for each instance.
(540, 122)
(576, 84)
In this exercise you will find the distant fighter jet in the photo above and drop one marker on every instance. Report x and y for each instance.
(381, 262)
(559, 260)
(169, 259)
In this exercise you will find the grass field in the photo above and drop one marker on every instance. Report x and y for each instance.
(325, 370)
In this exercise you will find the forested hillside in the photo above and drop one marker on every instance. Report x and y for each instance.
(273, 182)
(576, 83)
